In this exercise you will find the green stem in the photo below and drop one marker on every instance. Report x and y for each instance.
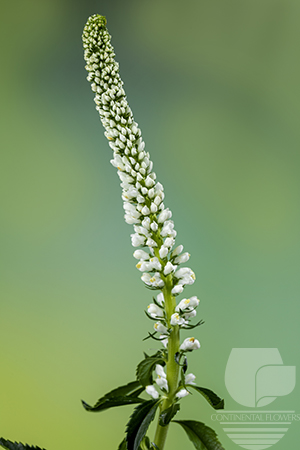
(172, 368)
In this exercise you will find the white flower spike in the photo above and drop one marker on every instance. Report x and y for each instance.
(143, 195)
(153, 235)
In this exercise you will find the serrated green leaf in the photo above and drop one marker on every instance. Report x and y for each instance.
(167, 415)
(111, 402)
(123, 395)
(8, 445)
(145, 368)
(139, 422)
(213, 399)
(203, 437)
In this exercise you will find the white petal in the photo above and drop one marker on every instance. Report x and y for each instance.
(140, 254)
(177, 251)
(152, 391)
(190, 378)
(163, 251)
(160, 299)
(160, 371)
(182, 393)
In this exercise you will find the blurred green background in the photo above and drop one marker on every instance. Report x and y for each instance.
(214, 86)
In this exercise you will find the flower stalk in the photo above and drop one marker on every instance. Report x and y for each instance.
(153, 239)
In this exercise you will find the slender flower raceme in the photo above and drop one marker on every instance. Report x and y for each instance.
(163, 375)
(153, 238)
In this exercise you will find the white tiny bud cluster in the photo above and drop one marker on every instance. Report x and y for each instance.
(142, 194)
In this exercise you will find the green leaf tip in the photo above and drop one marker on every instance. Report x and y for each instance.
(8, 445)
(213, 399)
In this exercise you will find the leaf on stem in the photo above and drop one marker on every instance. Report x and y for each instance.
(139, 422)
(123, 395)
(145, 368)
(106, 403)
(203, 437)
(8, 445)
(167, 415)
(213, 399)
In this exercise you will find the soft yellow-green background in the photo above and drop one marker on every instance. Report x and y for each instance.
(214, 86)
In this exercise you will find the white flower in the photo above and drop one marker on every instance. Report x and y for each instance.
(160, 371)
(154, 226)
(146, 278)
(145, 211)
(163, 251)
(161, 379)
(151, 243)
(177, 320)
(169, 268)
(159, 188)
(190, 344)
(185, 276)
(177, 251)
(160, 299)
(190, 378)
(141, 230)
(167, 229)
(182, 258)
(194, 302)
(160, 328)
(164, 215)
(149, 182)
(187, 303)
(144, 266)
(151, 193)
(130, 219)
(164, 340)
(182, 272)
(140, 254)
(182, 393)
(155, 311)
(190, 314)
(169, 242)
(162, 383)
(150, 389)
(177, 289)
(155, 264)
(153, 208)
(137, 239)
(158, 199)
(153, 280)
(146, 223)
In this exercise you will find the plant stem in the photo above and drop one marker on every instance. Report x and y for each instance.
(172, 368)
